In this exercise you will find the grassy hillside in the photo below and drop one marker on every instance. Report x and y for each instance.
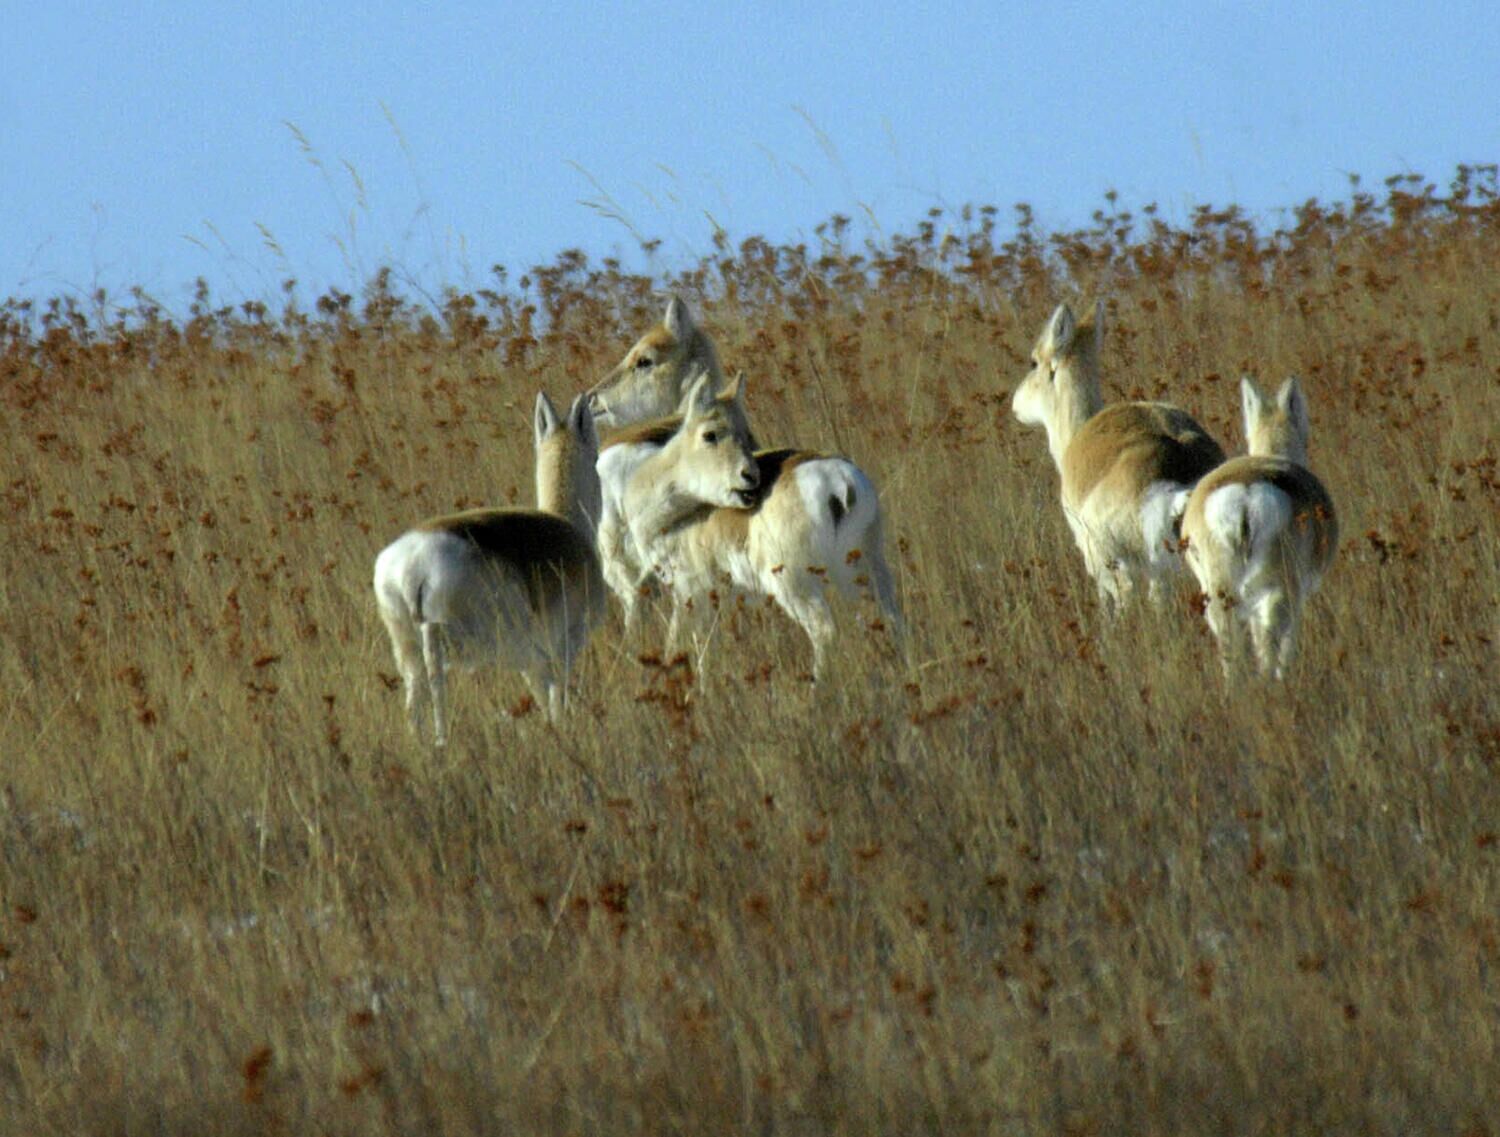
(1048, 875)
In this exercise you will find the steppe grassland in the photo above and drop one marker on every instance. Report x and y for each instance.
(1045, 876)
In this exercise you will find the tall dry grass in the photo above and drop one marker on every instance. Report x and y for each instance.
(1046, 876)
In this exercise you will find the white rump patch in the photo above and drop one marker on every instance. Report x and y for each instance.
(1162, 506)
(1248, 519)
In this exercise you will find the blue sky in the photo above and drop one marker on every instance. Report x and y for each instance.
(148, 143)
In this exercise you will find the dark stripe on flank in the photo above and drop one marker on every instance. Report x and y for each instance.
(529, 534)
(1188, 456)
(776, 464)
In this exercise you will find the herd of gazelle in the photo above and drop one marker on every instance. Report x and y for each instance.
(680, 496)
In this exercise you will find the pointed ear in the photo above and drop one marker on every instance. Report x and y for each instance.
(679, 320)
(1252, 402)
(581, 422)
(738, 387)
(700, 397)
(1060, 329)
(1293, 404)
(545, 422)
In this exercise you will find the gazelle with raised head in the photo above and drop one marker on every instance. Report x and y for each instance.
(1126, 468)
(642, 398)
(521, 587)
(1261, 532)
(657, 372)
(810, 522)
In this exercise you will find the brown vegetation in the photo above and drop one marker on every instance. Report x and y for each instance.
(1047, 876)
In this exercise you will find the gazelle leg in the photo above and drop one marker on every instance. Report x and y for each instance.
(811, 611)
(885, 594)
(1274, 630)
(683, 627)
(406, 646)
(433, 653)
(1224, 622)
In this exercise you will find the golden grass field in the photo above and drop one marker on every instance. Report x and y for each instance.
(1048, 875)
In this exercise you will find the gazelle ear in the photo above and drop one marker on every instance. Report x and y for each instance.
(1293, 404)
(1252, 403)
(739, 389)
(700, 397)
(545, 422)
(581, 422)
(1060, 330)
(679, 320)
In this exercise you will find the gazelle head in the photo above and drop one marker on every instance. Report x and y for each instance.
(1276, 429)
(657, 373)
(1062, 390)
(710, 455)
(567, 450)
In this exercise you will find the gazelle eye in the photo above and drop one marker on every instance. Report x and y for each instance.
(643, 362)
(711, 437)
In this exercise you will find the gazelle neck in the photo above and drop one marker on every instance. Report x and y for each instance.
(1076, 399)
(568, 485)
(655, 501)
(1279, 440)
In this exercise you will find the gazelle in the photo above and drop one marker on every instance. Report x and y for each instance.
(625, 571)
(657, 372)
(1261, 531)
(518, 586)
(1125, 468)
(808, 522)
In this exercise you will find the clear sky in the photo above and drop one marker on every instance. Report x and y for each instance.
(149, 143)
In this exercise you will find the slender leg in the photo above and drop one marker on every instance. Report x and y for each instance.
(406, 646)
(684, 623)
(885, 593)
(1156, 592)
(1224, 622)
(437, 679)
(1115, 587)
(811, 611)
(416, 696)
(1274, 630)
(549, 694)
(623, 576)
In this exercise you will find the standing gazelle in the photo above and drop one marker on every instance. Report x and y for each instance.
(1125, 468)
(519, 586)
(643, 400)
(1261, 531)
(811, 521)
(625, 571)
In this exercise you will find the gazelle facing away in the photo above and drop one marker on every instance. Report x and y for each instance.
(807, 522)
(1125, 468)
(1261, 531)
(657, 372)
(517, 586)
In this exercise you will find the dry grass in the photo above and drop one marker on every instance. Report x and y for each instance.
(1049, 876)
